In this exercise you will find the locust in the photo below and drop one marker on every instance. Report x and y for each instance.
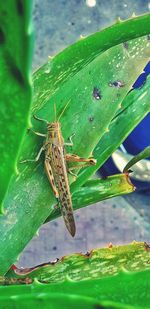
(55, 163)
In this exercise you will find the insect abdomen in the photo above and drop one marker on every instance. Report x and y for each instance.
(64, 190)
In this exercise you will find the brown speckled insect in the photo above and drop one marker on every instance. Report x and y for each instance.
(56, 168)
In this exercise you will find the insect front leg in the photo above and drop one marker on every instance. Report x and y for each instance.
(40, 151)
(37, 133)
(37, 157)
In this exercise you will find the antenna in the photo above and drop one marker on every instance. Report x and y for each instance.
(63, 110)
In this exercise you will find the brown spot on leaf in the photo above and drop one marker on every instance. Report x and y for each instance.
(88, 254)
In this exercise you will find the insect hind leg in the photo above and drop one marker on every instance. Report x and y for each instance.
(76, 158)
(51, 177)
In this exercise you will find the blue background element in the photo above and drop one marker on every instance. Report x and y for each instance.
(140, 137)
(136, 141)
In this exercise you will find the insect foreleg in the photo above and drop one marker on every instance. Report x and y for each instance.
(37, 157)
(37, 133)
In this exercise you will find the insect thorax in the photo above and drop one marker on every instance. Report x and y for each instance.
(54, 132)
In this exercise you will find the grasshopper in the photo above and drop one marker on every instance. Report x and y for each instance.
(56, 168)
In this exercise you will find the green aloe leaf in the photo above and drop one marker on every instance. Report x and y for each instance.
(93, 95)
(15, 94)
(96, 190)
(65, 65)
(99, 263)
(55, 300)
(106, 275)
(135, 107)
(142, 155)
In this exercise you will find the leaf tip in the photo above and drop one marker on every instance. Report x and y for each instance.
(50, 57)
(82, 37)
(118, 20)
(133, 15)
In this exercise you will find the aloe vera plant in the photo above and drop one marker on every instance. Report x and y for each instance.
(114, 277)
(100, 110)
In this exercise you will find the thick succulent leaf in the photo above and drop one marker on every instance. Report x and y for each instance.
(97, 190)
(65, 65)
(117, 274)
(136, 107)
(15, 94)
(89, 108)
(88, 115)
(98, 263)
(54, 300)
(142, 155)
